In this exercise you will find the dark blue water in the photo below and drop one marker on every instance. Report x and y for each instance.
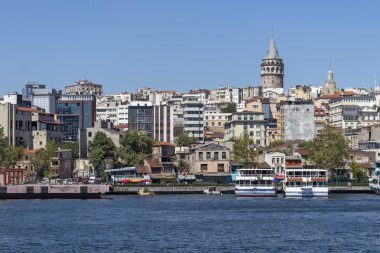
(192, 223)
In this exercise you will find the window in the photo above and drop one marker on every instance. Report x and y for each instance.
(224, 155)
(89, 134)
(220, 167)
(208, 155)
(200, 156)
(203, 167)
(216, 155)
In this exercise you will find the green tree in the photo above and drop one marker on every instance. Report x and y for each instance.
(43, 160)
(275, 143)
(184, 167)
(11, 155)
(357, 170)
(134, 146)
(229, 108)
(3, 144)
(244, 151)
(329, 150)
(102, 152)
(185, 140)
(73, 145)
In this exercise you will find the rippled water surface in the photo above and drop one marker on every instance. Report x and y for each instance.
(192, 223)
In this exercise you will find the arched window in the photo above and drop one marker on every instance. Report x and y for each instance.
(272, 69)
(268, 69)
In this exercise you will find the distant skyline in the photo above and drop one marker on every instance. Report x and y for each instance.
(182, 45)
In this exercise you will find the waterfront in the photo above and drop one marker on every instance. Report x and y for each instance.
(192, 223)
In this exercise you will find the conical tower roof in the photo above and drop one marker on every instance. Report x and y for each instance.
(272, 51)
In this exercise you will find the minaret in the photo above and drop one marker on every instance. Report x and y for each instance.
(272, 68)
(330, 86)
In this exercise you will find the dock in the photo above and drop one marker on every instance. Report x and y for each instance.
(40, 191)
(173, 189)
(130, 190)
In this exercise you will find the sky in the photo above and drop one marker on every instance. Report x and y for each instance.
(182, 45)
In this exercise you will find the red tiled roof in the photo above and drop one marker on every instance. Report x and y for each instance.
(302, 151)
(154, 163)
(218, 135)
(27, 109)
(163, 143)
(366, 166)
(29, 151)
(142, 170)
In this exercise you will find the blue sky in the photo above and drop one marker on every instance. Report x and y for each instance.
(185, 44)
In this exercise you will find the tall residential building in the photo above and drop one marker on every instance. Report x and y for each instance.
(45, 98)
(17, 125)
(193, 116)
(82, 87)
(30, 87)
(141, 117)
(272, 68)
(251, 123)
(297, 120)
(164, 123)
(225, 95)
(76, 112)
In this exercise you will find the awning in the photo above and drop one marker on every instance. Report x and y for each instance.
(187, 177)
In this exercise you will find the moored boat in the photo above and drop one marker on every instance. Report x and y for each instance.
(145, 192)
(255, 182)
(305, 182)
(212, 191)
(374, 181)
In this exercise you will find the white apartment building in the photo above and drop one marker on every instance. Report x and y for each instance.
(225, 95)
(193, 116)
(347, 112)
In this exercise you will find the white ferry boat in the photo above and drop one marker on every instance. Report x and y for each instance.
(301, 182)
(374, 181)
(256, 182)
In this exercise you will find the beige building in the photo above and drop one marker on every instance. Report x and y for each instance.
(251, 123)
(17, 125)
(210, 163)
(215, 121)
(84, 87)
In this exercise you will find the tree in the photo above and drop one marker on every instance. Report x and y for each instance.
(329, 150)
(102, 151)
(184, 167)
(11, 155)
(74, 146)
(43, 160)
(3, 143)
(244, 151)
(275, 143)
(185, 140)
(229, 108)
(358, 172)
(134, 146)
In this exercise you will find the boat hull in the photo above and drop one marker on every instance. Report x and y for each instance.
(255, 191)
(375, 188)
(306, 192)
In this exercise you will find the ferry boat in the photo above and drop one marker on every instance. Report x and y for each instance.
(255, 182)
(374, 181)
(302, 182)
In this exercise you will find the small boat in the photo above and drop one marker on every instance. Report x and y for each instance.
(212, 191)
(145, 192)
(374, 181)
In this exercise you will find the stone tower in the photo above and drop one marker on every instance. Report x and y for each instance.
(272, 68)
(330, 87)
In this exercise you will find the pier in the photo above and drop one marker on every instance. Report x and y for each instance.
(129, 190)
